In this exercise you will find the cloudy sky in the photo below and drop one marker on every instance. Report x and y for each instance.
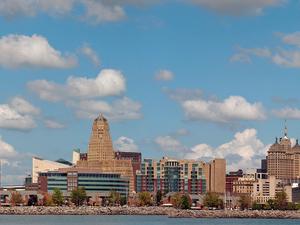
(184, 78)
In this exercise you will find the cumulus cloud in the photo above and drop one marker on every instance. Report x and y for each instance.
(237, 8)
(169, 143)
(32, 51)
(287, 113)
(15, 164)
(94, 11)
(125, 144)
(231, 109)
(108, 82)
(52, 124)
(18, 115)
(281, 56)
(90, 54)
(245, 147)
(119, 110)
(164, 75)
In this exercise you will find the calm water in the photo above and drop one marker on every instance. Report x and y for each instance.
(133, 220)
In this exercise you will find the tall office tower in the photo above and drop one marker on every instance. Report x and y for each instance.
(100, 145)
(281, 158)
(215, 174)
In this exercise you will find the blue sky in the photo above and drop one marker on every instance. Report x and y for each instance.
(184, 78)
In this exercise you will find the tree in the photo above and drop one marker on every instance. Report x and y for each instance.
(176, 200)
(271, 204)
(281, 200)
(123, 201)
(78, 196)
(47, 200)
(57, 197)
(256, 206)
(186, 202)
(16, 199)
(158, 197)
(245, 202)
(114, 198)
(145, 199)
(212, 199)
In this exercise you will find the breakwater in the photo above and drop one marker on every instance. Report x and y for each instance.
(170, 212)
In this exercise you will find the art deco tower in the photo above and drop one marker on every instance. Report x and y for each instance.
(100, 145)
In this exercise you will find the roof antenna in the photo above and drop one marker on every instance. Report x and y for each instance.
(285, 129)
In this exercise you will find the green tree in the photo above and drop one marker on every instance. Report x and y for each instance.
(145, 199)
(123, 201)
(281, 200)
(212, 199)
(271, 204)
(158, 197)
(244, 202)
(78, 196)
(256, 206)
(16, 199)
(57, 197)
(47, 200)
(114, 198)
(186, 202)
(176, 200)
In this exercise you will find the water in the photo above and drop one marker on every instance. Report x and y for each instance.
(133, 220)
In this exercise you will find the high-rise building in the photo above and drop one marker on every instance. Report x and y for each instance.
(186, 176)
(283, 160)
(101, 156)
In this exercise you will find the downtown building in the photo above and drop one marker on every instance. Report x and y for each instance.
(185, 176)
(100, 170)
(283, 160)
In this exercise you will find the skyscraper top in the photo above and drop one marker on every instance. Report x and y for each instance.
(100, 118)
(285, 131)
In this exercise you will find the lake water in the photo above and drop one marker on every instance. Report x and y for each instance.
(133, 220)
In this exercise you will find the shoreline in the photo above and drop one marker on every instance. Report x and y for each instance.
(149, 211)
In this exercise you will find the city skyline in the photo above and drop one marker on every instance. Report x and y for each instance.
(185, 79)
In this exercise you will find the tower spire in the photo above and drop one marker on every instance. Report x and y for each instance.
(285, 129)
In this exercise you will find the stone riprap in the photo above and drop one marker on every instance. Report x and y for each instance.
(170, 212)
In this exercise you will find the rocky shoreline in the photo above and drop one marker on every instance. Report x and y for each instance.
(149, 211)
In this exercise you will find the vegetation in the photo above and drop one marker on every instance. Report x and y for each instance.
(47, 200)
(212, 200)
(145, 199)
(78, 196)
(158, 197)
(181, 201)
(123, 201)
(57, 197)
(16, 199)
(114, 198)
(245, 202)
(281, 201)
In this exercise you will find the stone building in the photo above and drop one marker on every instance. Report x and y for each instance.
(284, 160)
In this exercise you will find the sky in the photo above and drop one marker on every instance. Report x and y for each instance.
(193, 79)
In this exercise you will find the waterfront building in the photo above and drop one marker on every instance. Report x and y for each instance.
(283, 160)
(230, 178)
(186, 176)
(41, 165)
(265, 189)
(244, 185)
(95, 184)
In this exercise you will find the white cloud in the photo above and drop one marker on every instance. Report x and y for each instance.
(286, 58)
(169, 143)
(108, 82)
(24, 107)
(119, 110)
(52, 124)
(31, 51)
(165, 75)
(287, 113)
(93, 11)
(6, 150)
(236, 7)
(244, 151)
(231, 109)
(125, 144)
(91, 54)
(243, 54)
(291, 39)
(18, 115)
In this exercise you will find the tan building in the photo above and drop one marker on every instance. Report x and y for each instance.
(244, 185)
(215, 173)
(265, 189)
(101, 156)
(283, 159)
